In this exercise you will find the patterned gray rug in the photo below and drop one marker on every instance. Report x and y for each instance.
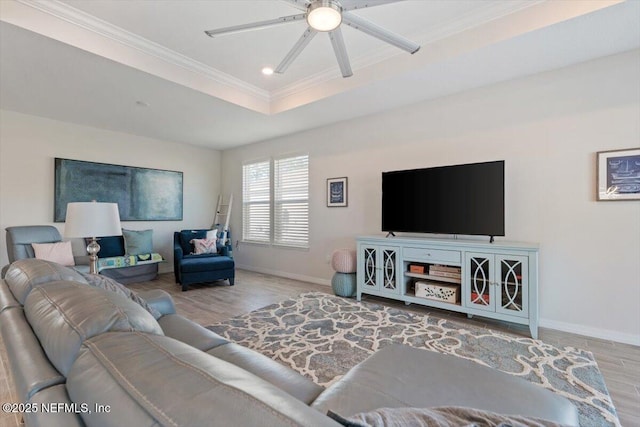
(323, 336)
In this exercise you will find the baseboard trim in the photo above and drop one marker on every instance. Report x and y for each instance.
(589, 331)
(285, 274)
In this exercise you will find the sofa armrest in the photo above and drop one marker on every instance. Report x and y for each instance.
(160, 300)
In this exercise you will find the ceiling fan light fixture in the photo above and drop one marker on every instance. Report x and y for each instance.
(324, 15)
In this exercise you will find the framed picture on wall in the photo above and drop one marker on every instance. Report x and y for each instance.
(337, 192)
(618, 174)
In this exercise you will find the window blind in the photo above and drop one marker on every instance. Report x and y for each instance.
(291, 201)
(256, 202)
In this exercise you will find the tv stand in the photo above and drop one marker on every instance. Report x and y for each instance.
(491, 240)
(390, 234)
(494, 280)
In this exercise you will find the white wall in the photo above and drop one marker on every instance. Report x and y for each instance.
(29, 144)
(548, 128)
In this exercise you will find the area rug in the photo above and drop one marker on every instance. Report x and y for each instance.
(323, 336)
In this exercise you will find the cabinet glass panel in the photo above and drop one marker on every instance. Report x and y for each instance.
(480, 282)
(370, 267)
(513, 286)
(389, 282)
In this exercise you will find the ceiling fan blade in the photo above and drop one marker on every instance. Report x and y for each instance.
(255, 25)
(300, 4)
(363, 4)
(378, 32)
(341, 52)
(295, 51)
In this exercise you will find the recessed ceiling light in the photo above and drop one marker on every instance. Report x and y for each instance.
(267, 71)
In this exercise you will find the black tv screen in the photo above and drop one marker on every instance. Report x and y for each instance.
(461, 199)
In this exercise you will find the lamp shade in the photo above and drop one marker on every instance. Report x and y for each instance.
(92, 219)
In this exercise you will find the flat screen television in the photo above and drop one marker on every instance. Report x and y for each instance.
(460, 199)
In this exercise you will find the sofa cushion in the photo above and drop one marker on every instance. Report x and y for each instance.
(199, 263)
(59, 252)
(383, 381)
(25, 274)
(7, 300)
(137, 241)
(269, 370)
(183, 329)
(161, 381)
(30, 368)
(64, 314)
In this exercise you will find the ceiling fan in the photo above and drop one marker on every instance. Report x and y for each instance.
(326, 16)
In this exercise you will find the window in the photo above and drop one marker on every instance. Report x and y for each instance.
(256, 202)
(275, 205)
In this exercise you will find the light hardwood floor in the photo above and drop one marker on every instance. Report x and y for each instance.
(208, 304)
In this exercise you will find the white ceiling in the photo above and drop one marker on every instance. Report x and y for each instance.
(89, 62)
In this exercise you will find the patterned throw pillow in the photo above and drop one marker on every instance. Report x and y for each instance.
(204, 246)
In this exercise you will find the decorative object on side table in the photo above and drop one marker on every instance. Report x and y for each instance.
(92, 219)
(337, 192)
(618, 174)
(343, 282)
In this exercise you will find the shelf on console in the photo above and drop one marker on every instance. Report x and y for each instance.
(436, 278)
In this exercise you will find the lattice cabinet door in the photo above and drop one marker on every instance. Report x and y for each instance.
(370, 267)
(479, 281)
(512, 285)
(390, 271)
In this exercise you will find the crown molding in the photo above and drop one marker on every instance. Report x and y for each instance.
(300, 92)
(105, 29)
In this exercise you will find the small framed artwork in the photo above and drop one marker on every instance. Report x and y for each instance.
(337, 192)
(619, 174)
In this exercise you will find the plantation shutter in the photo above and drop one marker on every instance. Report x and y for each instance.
(256, 202)
(291, 201)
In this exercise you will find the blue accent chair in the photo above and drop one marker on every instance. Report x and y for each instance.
(204, 268)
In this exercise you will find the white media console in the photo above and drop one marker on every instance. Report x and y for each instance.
(497, 280)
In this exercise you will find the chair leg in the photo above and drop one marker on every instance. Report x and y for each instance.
(185, 288)
(231, 281)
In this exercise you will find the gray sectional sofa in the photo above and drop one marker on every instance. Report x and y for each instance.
(106, 360)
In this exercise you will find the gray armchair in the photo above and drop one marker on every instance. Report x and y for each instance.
(19, 240)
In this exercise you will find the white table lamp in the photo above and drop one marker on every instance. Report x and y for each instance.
(92, 219)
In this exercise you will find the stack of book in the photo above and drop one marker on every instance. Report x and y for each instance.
(445, 271)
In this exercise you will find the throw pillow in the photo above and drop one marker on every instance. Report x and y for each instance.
(110, 246)
(204, 246)
(59, 252)
(109, 284)
(187, 235)
(137, 241)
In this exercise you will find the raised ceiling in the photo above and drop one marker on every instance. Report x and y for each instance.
(94, 62)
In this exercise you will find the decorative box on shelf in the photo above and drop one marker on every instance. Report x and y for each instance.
(438, 291)
(416, 268)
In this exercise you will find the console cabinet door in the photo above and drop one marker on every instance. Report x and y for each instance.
(380, 267)
(513, 285)
(479, 279)
(369, 266)
(390, 270)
